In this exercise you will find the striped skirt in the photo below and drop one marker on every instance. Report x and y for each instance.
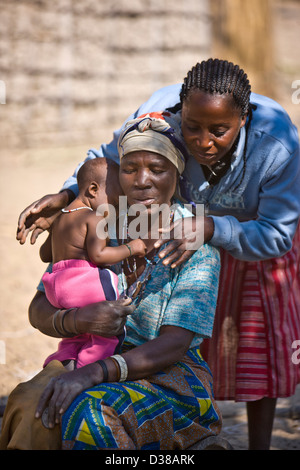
(170, 410)
(257, 321)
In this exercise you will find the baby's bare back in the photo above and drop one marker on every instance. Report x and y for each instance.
(68, 236)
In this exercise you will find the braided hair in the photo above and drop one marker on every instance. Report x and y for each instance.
(221, 77)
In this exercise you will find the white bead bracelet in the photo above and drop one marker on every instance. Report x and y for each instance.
(123, 367)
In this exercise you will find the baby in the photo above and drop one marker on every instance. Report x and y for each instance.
(79, 257)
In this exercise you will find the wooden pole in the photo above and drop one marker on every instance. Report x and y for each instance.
(243, 33)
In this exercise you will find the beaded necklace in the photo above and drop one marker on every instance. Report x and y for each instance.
(66, 211)
(137, 288)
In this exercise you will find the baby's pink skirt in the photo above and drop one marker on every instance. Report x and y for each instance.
(77, 283)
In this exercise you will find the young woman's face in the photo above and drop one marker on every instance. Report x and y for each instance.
(147, 178)
(210, 125)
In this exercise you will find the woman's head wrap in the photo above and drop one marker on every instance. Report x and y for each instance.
(154, 132)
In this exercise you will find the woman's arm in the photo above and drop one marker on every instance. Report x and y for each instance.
(163, 98)
(142, 361)
(41, 314)
(105, 318)
(155, 355)
(33, 218)
(271, 234)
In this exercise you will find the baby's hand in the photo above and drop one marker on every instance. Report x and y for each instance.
(138, 247)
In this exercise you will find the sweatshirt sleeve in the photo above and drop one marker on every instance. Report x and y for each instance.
(162, 99)
(271, 233)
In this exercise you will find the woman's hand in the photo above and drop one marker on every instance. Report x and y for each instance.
(106, 318)
(40, 215)
(185, 237)
(62, 390)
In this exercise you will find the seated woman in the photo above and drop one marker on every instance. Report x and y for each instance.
(158, 393)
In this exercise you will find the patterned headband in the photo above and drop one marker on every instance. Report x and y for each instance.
(154, 133)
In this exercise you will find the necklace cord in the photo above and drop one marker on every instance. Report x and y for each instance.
(67, 211)
(138, 286)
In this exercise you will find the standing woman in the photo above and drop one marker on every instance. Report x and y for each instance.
(248, 153)
(243, 165)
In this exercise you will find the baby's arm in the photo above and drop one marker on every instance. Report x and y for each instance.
(101, 254)
(46, 250)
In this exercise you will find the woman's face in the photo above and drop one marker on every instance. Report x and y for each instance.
(147, 178)
(210, 125)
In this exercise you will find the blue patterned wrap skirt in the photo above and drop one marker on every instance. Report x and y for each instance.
(169, 410)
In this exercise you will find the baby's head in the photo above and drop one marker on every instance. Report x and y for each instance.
(98, 179)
